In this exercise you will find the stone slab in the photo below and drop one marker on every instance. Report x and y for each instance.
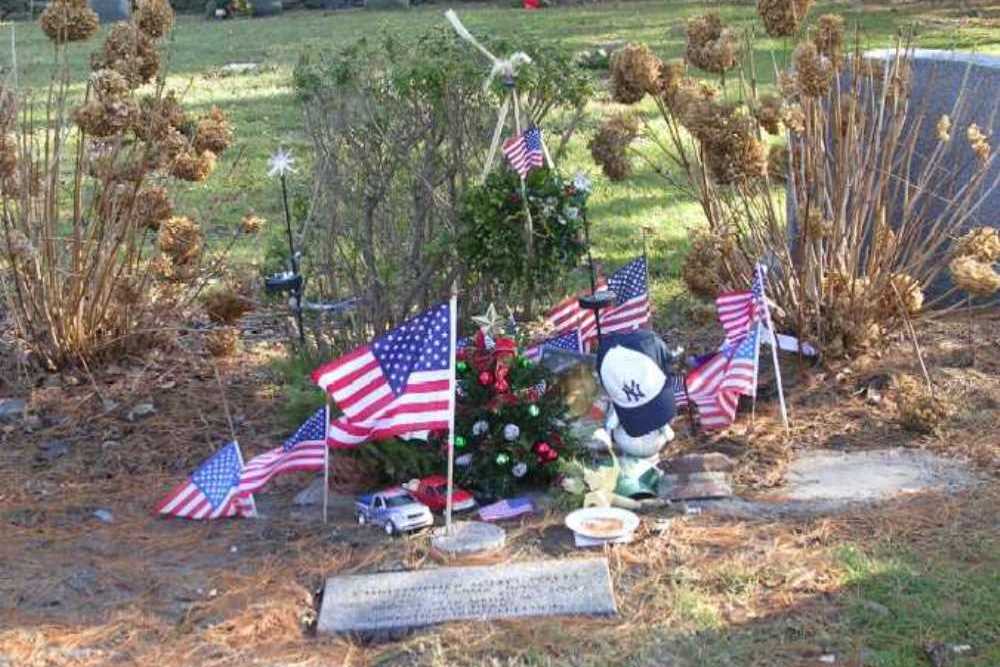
(12, 409)
(693, 485)
(392, 601)
(470, 537)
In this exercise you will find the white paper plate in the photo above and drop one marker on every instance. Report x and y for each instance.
(602, 522)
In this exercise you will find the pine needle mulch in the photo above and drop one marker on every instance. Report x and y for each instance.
(144, 590)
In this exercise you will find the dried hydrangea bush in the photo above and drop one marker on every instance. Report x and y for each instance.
(111, 266)
(845, 277)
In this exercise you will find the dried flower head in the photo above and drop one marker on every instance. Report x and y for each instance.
(635, 71)
(179, 239)
(703, 313)
(813, 71)
(222, 342)
(69, 21)
(159, 117)
(251, 223)
(152, 207)
(794, 118)
(130, 52)
(710, 46)
(944, 128)
(191, 166)
(979, 143)
(105, 119)
(225, 306)
(728, 136)
(782, 18)
(829, 38)
(672, 75)
(768, 113)
(8, 156)
(973, 276)
(917, 409)
(703, 266)
(108, 85)
(214, 133)
(909, 291)
(609, 145)
(154, 17)
(980, 243)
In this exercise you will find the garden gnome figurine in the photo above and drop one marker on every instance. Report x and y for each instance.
(632, 367)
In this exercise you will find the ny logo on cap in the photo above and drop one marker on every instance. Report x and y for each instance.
(633, 392)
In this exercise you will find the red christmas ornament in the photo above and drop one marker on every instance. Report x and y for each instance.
(542, 448)
(502, 385)
(552, 456)
(486, 378)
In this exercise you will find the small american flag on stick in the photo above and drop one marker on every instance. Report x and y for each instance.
(739, 311)
(568, 341)
(631, 309)
(524, 152)
(716, 385)
(304, 451)
(211, 490)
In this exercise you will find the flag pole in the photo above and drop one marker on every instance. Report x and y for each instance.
(774, 349)
(326, 458)
(452, 323)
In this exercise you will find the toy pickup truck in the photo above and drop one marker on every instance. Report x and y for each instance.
(433, 492)
(395, 510)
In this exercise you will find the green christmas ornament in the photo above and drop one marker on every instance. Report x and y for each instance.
(533, 410)
(503, 459)
(459, 442)
(525, 362)
(462, 366)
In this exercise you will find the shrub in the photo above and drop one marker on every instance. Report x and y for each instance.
(859, 191)
(110, 266)
(401, 131)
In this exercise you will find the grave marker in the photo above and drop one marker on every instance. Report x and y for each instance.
(389, 601)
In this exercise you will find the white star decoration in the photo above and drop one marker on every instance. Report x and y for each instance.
(281, 163)
(489, 322)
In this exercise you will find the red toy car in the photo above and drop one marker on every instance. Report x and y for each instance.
(433, 492)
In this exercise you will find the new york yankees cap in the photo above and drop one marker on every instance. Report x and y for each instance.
(637, 386)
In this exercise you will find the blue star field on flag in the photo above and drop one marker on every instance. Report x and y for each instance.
(217, 476)
(312, 430)
(629, 281)
(419, 344)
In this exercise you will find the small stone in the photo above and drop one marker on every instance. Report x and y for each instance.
(233, 549)
(105, 516)
(108, 405)
(52, 450)
(12, 409)
(141, 411)
(828, 659)
(110, 444)
(33, 422)
(311, 495)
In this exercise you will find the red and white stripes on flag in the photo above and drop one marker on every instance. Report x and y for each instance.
(264, 467)
(631, 310)
(398, 385)
(567, 315)
(716, 385)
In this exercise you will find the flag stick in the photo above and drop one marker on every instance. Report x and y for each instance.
(225, 403)
(326, 460)
(452, 317)
(774, 349)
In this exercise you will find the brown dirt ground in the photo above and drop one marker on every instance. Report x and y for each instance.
(146, 590)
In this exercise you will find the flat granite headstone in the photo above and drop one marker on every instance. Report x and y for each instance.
(387, 601)
(469, 537)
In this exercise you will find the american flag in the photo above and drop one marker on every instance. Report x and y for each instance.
(305, 450)
(211, 490)
(716, 385)
(631, 309)
(677, 387)
(738, 311)
(568, 341)
(399, 384)
(506, 509)
(524, 152)
(567, 315)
